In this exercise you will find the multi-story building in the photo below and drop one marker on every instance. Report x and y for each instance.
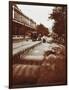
(21, 23)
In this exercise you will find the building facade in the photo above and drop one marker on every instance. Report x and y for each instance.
(21, 23)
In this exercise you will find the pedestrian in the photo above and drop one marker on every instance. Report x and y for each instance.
(39, 37)
(44, 38)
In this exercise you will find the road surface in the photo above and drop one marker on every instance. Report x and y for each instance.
(52, 70)
(37, 53)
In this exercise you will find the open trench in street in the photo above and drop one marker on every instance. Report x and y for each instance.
(38, 53)
(36, 67)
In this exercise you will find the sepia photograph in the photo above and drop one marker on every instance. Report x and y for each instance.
(37, 44)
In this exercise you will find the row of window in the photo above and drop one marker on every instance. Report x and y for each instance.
(21, 18)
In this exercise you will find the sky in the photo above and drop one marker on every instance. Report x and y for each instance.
(39, 14)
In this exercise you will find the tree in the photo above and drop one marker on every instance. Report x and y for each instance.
(42, 29)
(59, 15)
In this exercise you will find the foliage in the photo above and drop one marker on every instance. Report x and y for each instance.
(42, 29)
(59, 15)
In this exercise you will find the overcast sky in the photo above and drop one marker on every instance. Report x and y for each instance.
(39, 14)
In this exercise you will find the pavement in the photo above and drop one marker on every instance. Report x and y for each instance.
(37, 53)
(24, 45)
